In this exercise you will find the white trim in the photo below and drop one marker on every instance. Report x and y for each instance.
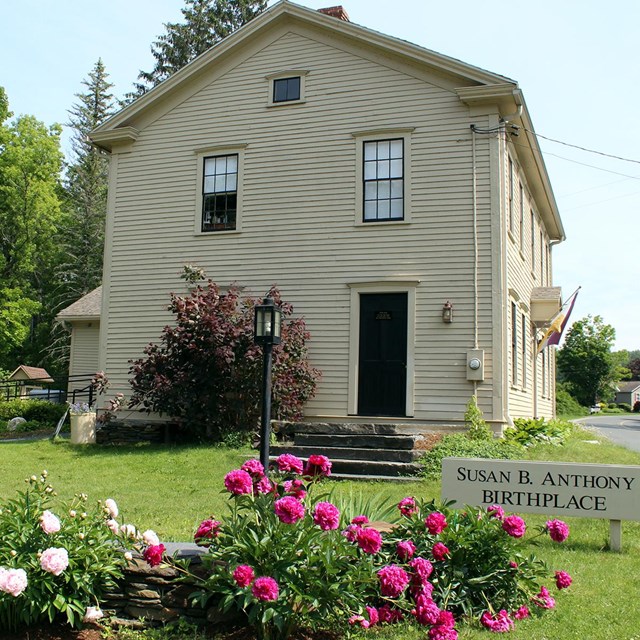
(401, 285)
(207, 152)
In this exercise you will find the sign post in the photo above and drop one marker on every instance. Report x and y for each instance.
(604, 491)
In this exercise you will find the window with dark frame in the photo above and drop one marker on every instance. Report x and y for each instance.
(383, 172)
(286, 89)
(220, 193)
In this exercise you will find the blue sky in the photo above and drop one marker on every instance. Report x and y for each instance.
(575, 60)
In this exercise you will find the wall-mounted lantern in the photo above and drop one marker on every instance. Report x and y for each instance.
(447, 312)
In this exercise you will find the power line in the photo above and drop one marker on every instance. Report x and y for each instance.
(575, 146)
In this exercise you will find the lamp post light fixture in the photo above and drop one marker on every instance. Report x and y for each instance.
(266, 331)
(447, 312)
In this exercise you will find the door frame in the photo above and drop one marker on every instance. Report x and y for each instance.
(400, 285)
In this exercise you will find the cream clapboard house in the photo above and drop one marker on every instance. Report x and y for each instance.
(373, 181)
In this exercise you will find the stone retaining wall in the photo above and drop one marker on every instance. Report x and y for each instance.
(132, 432)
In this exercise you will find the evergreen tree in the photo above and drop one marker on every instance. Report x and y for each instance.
(206, 22)
(86, 190)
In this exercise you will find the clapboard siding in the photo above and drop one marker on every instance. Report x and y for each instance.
(84, 355)
(298, 221)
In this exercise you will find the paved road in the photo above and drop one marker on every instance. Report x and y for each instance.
(623, 429)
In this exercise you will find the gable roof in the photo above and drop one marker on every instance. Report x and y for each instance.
(628, 387)
(477, 87)
(87, 307)
(32, 373)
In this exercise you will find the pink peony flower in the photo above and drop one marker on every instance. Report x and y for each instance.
(265, 589)
(238, 482)
(522, 613)
(264, 485)
(244, 575)
(393, 580)
(544, 599)
(408, 506)
(419, 589)
(326, 516)
(153, 554)
(356, 619)
(289, 510)
(374, 618)
(498, 623)
(439, 551)
(54, 560)
(558, 530)
(49, 522)
(150, 538)
(513, 565)
(318, 466)
(422, 568)
(514, 526)
(369, 540)
(129, 531)
(13, 581)
(495, 511)
(114, 526)
(92, 614)
(288, 463)
(442, 632)
(207, 530)
(360, 520)
(446, 618)
(389, 615)
(254, 468)
(295, 488)
(351, 532)
(426, 611)
(436, 523)
(563, 580)
(111, 507)
(405, 549)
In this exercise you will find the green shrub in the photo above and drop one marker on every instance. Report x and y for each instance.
(459, 445)
(567, 405)
(478, 427)
(37, 410)
(530, 431)
(625, 406)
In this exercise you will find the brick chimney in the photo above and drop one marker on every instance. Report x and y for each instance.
(336, 12)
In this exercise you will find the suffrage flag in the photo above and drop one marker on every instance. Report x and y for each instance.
(556, 328)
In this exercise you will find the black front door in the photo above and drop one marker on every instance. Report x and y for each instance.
(382, 381)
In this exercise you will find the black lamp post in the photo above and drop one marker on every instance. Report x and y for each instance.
(266, 331)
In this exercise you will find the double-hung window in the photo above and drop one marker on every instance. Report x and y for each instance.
(220, 192)
(383, 180)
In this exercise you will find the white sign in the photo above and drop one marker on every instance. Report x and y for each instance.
(602, 491)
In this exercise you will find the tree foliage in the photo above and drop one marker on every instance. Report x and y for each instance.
(206, 371)
(586, 362)
(206, 22)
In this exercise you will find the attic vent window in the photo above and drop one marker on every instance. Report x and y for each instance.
(286, 89)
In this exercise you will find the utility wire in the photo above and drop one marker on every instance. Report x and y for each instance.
(575, 146)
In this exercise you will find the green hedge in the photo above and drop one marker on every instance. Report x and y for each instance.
(41, 411)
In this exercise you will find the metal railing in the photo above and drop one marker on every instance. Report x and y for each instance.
(53, 390)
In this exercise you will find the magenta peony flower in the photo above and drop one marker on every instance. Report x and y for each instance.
(356, 619)
(244, 575)
(264, 486)
(153, 554)
(498, 623)
(522, 613)
(495, 511)
(13, 581)
(54, 560)
(558, 530)
(265, 589)
(544, 599)
(422, 568)
(408, 506)
(49, 522)
(436, 523)
(446, 618)
(405, 550)
(238, 482)
(254, 468)
(389, 615)
(317, 466)
(326, 516)
(442, 632)
(514, 526)
(426, 611)
(360, 520)
(393, 580)
(369, 539)
(295, 488)
(288, 463)
(439, 551)
(207, 530)
(563, 580)
(372, 612)
(289, 510)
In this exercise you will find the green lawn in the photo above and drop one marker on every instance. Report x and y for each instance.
(172, 489)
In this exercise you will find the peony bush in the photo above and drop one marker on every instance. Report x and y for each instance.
(56, 560)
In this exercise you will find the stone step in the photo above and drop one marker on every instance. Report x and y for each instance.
(374, 468)
(344, 428)
(321, 440)
(350, 453)
(362, 477)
